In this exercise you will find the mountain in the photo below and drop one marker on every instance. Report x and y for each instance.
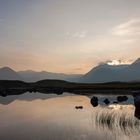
(33, 76)
(137, 62)
(110, 73)
(100, 74)
(7, 73)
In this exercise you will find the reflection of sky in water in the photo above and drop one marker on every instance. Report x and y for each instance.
(57, 119)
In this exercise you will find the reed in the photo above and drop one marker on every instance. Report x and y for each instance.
(117, 119)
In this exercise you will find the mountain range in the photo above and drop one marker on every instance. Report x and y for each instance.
(7, 73)
(100, 74)
(112, 73)
(32, 76)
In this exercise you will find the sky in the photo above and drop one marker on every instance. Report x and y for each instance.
(68, 36)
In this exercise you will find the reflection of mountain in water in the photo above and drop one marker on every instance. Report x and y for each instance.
(100, 99)
(59, 115)
(28, 97)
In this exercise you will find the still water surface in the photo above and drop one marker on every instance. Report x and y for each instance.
(49, 117)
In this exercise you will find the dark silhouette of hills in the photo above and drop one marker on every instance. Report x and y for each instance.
(7, 73)
(110, 73)
(32, 76)
(15, 87)
(101, 74)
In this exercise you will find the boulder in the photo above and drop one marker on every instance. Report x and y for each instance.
(94, 101)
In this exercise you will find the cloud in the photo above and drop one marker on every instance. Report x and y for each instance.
(130, 28)
(78, 34)
(117, 62)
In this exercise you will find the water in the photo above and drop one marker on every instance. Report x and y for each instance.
(37, 116)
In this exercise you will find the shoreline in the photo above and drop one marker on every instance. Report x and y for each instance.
(59, 87)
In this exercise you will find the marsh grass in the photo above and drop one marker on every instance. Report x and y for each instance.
(117, 120)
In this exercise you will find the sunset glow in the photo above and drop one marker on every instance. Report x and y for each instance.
(68, 36)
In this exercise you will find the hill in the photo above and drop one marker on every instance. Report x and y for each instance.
(110, 73)
(7, 73)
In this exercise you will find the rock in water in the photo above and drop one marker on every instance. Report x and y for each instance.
(106, 101)
(94, 101)
(137, 106)
(78, 107)
(122, 98)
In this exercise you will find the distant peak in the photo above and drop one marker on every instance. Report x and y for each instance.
(137, 61)
(5, 68)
